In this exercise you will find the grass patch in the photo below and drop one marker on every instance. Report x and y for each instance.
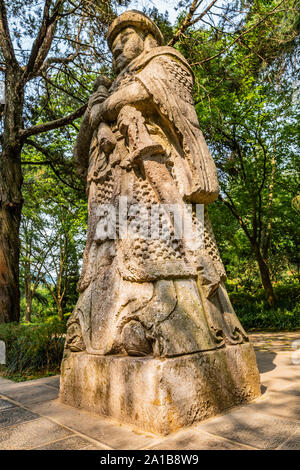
(6, 374)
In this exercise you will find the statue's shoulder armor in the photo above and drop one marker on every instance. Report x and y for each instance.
(173, 70)
(165, 54)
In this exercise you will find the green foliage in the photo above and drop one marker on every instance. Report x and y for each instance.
(162, 21)
(36, 348)
(255, 313)
(245, 100)
(53, 223)
(244, 96)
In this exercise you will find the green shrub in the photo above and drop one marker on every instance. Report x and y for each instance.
(255, 313)
(260, 316)
(35, 347)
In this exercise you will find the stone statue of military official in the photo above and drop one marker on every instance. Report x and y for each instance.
(152, 303)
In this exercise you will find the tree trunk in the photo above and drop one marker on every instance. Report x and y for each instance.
(28, 308)
(28, 295)
(60, 309)
(265, 275)
(10, 199)
(10, 216)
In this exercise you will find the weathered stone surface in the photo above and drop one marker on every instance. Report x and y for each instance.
(5, 404)
(31, 393)
(293, 442)
(31, 434)
(106, 431)
(252, 428)
(161, 396)
(70, 443)
(146, 287)
(149, 286)
(15, 415)
(193, 439)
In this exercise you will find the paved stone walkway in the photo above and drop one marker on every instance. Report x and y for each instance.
(32, 418)
(276, 342)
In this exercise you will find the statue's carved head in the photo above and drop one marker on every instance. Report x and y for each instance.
(129, 35)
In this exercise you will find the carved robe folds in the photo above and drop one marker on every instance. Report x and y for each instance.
(154, 312)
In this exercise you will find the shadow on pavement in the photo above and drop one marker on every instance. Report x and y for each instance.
(265, 361)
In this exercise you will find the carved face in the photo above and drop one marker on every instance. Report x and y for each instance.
(126, 46)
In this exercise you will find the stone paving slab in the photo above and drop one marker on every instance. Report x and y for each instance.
(252, 428)
(4, 382)
(285, 404)
(93, 447)
(293, 443)
(31, 434)
(104, 430)
(277, 371)
(272, 341)
(15, 415)
(5, 404)
(193, 439)
(33, 393)
(70, 443)
(52, 381)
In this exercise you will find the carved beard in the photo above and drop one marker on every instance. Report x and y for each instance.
(134, 53)
(147, 43)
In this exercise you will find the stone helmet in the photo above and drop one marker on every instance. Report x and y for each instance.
(136, 19)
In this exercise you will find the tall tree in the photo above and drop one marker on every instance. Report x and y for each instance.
(245, 70)
(53, 226)
(38, 39)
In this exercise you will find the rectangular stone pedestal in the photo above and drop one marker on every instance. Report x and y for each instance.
(161, 395)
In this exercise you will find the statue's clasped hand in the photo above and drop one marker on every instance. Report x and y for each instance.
(97, 98)
(96, 108)
(95, 102)
(132, 125)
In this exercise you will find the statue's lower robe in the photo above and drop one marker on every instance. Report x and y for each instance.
(159, 355)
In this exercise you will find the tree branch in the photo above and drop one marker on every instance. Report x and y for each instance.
(64, 60)
(5, 39)
(45, 162)
(50, 161)
(240, 36)
(57, 123)
(48, 80)
(44, 38)
(233, 210)
(195, 20)
(188, 20)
